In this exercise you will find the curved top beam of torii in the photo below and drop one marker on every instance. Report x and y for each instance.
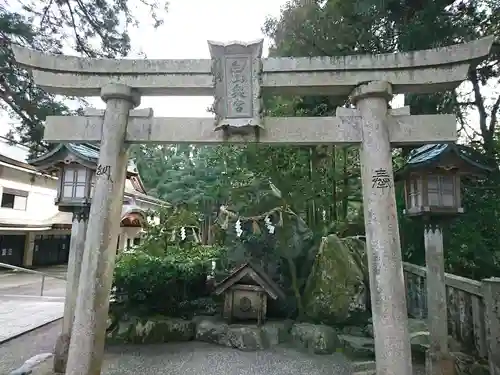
(418, 72)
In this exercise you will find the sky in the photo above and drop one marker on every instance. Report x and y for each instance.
(189, 24)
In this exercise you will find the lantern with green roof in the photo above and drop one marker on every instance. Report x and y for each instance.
(76, 166)
(432, 177)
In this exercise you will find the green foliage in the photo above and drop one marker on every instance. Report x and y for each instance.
(147, 285)
(165, 235)
(167, 273)
(333, 28)
(321, 184)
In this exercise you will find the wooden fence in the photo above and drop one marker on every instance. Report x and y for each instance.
(466, 307)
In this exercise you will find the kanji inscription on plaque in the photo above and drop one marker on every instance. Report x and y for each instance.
(238, 88)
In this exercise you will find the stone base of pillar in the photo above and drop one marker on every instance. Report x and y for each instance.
(61, 353)
(443, 364)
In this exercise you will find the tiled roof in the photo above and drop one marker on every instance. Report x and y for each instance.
(85, 151)
(91, 153)
(428, 154)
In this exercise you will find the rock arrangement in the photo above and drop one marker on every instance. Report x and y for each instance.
(355, 342)
(315, 338)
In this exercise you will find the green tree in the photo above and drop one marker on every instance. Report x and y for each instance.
(90, 28)
(333, 28)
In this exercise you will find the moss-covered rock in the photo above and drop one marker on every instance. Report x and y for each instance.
(157, 329)
(243, 337)
(335, 285)
(246, 338)
(317, 338)
(277, 332)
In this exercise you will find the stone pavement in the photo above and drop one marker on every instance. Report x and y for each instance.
(20, 315)
(14, 353)
(21, 307)
(21, 283)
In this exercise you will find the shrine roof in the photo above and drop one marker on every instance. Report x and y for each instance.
(427, 155)
(85, 151)
(257, 274)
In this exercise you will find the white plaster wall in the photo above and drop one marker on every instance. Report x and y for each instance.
(41, 190)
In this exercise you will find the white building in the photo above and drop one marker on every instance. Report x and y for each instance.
(32, 230)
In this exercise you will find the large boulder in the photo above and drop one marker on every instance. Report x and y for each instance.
(316, 338)
(152, 330)
(335, 286)
(243, 337)
(210, 329)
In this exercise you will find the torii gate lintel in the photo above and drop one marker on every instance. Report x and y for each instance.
(341, 129)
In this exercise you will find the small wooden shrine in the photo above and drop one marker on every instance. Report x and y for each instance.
(246, 291)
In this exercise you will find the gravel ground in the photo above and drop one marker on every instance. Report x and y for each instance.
(195, 358)
(13, 353)
(192, 358)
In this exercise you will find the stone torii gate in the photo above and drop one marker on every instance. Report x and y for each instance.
(237, 76)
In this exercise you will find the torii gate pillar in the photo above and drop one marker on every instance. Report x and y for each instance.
(86, 347)
(388, 299)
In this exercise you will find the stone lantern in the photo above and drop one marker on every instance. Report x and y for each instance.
(75, 188)
(75, 166)
(432, 180)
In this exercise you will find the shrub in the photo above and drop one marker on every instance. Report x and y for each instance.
(174, 285)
